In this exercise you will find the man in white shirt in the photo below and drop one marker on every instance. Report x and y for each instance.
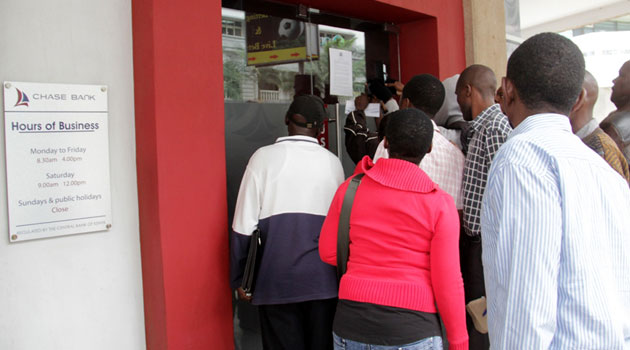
(554, 216)
(445, 162)
(285, 193)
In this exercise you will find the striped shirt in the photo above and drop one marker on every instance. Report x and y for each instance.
(444, 165)
(555, 243)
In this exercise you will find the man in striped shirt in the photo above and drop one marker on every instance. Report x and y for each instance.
(554, 216)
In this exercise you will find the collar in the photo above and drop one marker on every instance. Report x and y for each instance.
(484, 116)
(391, 106)
(297, 138)
(435, 127)
(587, 129)
(397, 173)
(542, 121)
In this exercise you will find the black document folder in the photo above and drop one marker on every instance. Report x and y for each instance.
(253, 262)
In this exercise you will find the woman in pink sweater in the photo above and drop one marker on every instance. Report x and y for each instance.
(404, 256)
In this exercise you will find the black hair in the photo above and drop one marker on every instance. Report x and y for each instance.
(409, 133)
(425, 92)
(547, 71)
(377, 88)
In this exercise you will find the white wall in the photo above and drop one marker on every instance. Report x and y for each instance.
(82, 291)
(604, 55)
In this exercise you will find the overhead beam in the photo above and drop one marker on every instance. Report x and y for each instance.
(591, 16)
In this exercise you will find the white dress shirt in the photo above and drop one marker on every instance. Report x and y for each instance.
(444, 165)
(556, 243)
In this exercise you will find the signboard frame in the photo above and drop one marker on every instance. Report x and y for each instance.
(273, 40)
(57, 159)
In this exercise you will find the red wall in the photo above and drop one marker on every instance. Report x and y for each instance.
(180, 149)
(434, 44)
(181, 173)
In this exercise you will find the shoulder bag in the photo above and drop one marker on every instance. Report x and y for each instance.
(343, 230)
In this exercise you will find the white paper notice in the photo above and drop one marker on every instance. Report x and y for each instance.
(340, 72)
(372, 110)
(57, 158)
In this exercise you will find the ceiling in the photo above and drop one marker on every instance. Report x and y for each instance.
(538, 16)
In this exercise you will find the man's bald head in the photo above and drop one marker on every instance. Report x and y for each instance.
(475, 90)
(591, 88)
(481, 78)
(621, 88)
(582, 111)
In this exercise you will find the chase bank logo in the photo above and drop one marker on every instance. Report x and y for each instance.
(22, 99)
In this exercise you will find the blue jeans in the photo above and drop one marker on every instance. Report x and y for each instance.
(431, 343)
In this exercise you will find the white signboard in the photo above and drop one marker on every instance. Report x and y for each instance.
(340, 72)
(372, 110)
(57, 158)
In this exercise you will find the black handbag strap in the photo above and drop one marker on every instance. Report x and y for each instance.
(343, 231)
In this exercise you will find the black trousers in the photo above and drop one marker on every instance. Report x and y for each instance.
(474, 287)
(306, 325)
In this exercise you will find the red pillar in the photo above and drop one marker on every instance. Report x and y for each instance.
(180, 142)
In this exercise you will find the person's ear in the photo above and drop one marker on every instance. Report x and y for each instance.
(430, 148)
(386, 145)
(405, 103)
(579, 103)
(468, 90)
(509, 91)
(286, 119)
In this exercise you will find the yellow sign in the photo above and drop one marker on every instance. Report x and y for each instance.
(272, 56)
(274, 40)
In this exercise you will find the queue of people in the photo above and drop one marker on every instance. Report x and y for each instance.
(517, 200)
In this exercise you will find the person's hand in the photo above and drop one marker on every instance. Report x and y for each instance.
(243, 296)
(361, 102)
(397, 85)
